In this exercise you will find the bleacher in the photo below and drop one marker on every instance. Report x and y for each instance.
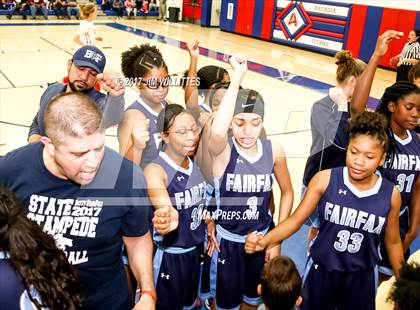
(153, 11)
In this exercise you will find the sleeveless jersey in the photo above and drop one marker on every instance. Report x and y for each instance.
(404, 171)
(243, 191)
(152, 148)
(351, 223)
(187, 190)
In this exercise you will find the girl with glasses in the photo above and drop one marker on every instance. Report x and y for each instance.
(177, 190)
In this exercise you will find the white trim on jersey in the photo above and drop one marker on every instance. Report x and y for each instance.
(4, 255)
(147, 107)
(253, 159)
(171, 163)
(404, 141)
(361, 194)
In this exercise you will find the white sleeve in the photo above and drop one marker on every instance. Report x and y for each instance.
(83, 28)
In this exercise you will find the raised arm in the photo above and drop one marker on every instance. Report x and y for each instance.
(133, 135)
(191, 91)
(364, 82)
(224, 115)
(113, 107)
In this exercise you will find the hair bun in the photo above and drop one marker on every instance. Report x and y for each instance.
(343, 57)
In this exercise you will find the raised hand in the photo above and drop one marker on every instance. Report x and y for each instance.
(111, 82)
(193, 48)
(165, 220)
(140, 134)
(239, 64)
(383, 41)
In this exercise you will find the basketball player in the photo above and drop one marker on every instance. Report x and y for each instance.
(145, 68)
(356, 206)
(177, 190)
(245, 169)
(400, 104)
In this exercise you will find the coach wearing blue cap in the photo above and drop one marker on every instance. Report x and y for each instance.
(85, 70)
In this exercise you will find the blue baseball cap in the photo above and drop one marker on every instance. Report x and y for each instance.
(90, 56)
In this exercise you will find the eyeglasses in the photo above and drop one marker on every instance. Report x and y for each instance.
(155, 83)
(183, 131)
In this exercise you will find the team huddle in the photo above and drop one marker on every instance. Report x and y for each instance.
(183, 215)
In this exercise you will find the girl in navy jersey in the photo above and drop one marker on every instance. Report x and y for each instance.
(356, 207)
(200, 83)
(400, 104)
(138, 136)
(177, 191)
(245, 169)
(34, 272)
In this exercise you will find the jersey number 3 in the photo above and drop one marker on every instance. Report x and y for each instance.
(347, 242)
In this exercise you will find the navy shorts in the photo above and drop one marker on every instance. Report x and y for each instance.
(329, 290)
(176, 279)
(233, 275)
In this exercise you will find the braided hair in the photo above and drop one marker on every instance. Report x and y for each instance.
(394, 93)
(138, 60)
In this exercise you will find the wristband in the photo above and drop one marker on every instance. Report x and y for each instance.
(150, 293)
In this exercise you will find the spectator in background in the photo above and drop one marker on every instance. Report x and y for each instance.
(106, 5)
(130, 7)
(38, 6)
(409, 56)
(19, 7)
(60, 8)
(117, 6)
(86, 34)
(72, 6)
(162, 10)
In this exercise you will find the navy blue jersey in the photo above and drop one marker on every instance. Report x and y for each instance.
(13, 295)
(87, 222)
(404, 171)
(243, 191)
(187, 190)
(152, 148)
(351, 223)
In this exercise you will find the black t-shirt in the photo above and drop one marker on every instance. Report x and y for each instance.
(87, 222)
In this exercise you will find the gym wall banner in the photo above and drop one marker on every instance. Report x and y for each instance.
(316, 25)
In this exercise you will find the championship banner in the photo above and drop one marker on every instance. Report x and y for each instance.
(317, 25)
